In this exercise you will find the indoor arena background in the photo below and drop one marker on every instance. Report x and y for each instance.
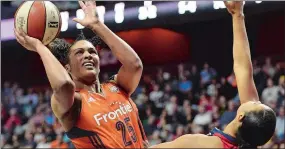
(188, 85)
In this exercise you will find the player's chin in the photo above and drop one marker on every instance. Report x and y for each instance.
(90, 73)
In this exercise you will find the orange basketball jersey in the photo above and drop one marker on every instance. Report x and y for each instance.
(107, 121)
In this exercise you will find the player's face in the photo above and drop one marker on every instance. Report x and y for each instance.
(84, 61)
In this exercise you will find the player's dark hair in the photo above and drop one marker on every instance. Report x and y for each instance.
(60, 47)
(257, 128)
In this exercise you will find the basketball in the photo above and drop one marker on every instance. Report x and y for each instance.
(38, 19)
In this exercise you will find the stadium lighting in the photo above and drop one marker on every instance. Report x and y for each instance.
(258, 2)
(218, 5)
(80, 15)
(147, 11)
(64, 17)
(119, 12)
(101, 12)
(184, 6)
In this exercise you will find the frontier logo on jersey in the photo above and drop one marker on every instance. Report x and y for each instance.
(122, 110)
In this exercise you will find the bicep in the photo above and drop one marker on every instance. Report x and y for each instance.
(246, 86)
(128, 79)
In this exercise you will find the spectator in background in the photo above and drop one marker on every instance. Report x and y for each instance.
(49, 133)
(212, 88)
(166, 95)
(59, 143)
(280, 125)
(232, 80)
(7, 91)
(28, 109)
(31, 95)
(149, 122)
(225, 88)
(269, 69)
(270, 93)
(260, 80)
(195, 78)
(49, 117)
(156, 95)
(222, 104)
(185, 85)
(159, 77)
(281, 92)
(203, 118)
(39, 134)
(3, 113)
(228, 115)
(171, 106)
(279, 72)
(19, 96)
(47, 94)
(205, 74)
(15, 141)
(179, 132)
(12, 121)
(29, 141)
(141, 98)
(43, 143)
(155, 139)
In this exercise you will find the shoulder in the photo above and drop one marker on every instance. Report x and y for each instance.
(112, 84)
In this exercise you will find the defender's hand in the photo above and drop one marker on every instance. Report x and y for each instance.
(26, 41)
(235, 7)
(91, 17)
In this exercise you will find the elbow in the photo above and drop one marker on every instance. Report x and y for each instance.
(137, 65)
(66, 86)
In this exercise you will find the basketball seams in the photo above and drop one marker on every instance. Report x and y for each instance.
(21, 16)
(60, 23)
(17, 13)
(43, 2)
(27, 27)
(52, 17)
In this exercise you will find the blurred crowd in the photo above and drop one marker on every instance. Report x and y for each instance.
(192, 100)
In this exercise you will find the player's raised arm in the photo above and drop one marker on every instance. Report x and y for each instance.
(241, 54)
(129, 74)
(60, 81)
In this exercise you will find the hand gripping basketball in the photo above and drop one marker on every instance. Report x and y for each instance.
(91, 17)
(26, 41)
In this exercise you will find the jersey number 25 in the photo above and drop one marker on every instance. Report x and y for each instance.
(122, 127)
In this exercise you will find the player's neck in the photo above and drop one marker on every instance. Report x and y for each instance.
(231, 129)
(94, 87)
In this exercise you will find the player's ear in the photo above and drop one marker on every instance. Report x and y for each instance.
(67, 67)
(240, 116)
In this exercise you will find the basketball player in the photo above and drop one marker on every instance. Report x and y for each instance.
(94, 115)
(254, 123)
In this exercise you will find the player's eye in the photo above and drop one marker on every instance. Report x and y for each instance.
(92, 51)
(79, 52)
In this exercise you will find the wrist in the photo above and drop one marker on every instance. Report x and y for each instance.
(95, 26)
(38, 46)
(238, 16)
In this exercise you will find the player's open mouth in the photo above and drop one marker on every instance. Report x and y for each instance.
(88, 64)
